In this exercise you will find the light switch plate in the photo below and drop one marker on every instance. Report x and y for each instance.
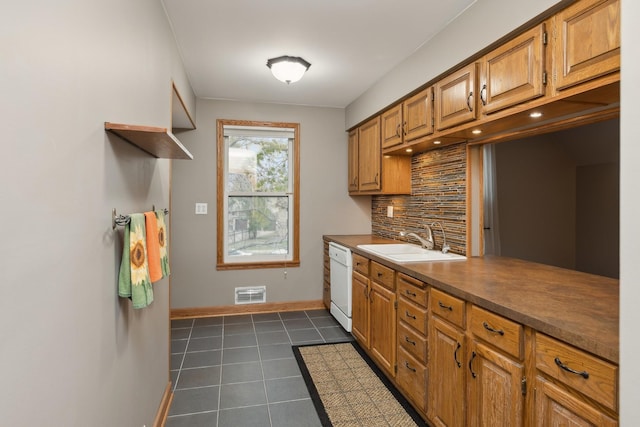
(201, 208)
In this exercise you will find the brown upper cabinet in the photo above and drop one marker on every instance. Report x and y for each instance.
(514, 72)
(353, 161)
(587, 42)
(455, 99)
(409, 120)
(369, 171)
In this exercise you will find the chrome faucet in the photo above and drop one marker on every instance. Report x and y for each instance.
(426, 243)
(445, 247)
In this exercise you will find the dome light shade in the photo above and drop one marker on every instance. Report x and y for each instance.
(288, 69)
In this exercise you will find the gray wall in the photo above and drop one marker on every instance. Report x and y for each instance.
(536, 193)
(325, 206)
(558, 198)
(73, 353)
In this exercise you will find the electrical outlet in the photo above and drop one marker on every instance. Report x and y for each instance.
(201, 208)
(390, 211)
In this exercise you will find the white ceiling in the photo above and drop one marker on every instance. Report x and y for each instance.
(350, 44)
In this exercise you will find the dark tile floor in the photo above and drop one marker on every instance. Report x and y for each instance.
(237, 371)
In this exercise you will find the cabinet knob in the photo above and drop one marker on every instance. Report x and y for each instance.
(583, 374)
(455, 355)
(446, 307)
(490, 329)
(473, 356)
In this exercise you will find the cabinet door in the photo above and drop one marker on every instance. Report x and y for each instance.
(556, 407)
(412, 378)
(514, 72)
(383, 326)
(360, 308)
(496, 397)
(455, 100)
(418, 115)
(587, 43)
(447, 374)
(369, 156)
(392, 127)
(353, 154)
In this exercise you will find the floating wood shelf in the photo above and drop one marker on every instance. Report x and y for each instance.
(159, 142)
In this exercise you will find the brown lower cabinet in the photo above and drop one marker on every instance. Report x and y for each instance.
(462, 365)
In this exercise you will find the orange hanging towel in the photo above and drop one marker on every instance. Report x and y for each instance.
(153, 247)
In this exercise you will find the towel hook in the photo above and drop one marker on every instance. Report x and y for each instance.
(121, 220)
(118, 219)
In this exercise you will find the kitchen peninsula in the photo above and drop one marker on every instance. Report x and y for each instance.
(548, 329)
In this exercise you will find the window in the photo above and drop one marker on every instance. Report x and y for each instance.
(258, 194)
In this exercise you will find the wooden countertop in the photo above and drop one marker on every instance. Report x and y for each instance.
(578, 308)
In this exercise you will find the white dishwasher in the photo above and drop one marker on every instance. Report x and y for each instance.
(341, 268)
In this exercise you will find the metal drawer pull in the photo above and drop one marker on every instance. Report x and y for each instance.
(446, 307)
(410, 293)
(583, 374)
(455, 355)
(406, 338)
(473, 356)
(490, 329)
(409, 315)
(406, 364)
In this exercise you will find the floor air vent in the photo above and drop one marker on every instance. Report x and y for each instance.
(251, 295)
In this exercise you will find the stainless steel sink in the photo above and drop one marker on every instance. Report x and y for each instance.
(407, 252)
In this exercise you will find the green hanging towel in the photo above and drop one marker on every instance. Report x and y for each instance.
(134, 281)
(163, 242)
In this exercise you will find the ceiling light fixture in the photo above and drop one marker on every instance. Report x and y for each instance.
(288, 69)
(535, 114)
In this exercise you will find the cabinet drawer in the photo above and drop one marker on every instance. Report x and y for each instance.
(412, 378)
(382, 275)
(412, 289)
(592, 377)
(361, 264)
(412, 341)
(448, 307)
(414, 315)
(494, 329)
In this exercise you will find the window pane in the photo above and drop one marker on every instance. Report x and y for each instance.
(258, 226)
(258, 164)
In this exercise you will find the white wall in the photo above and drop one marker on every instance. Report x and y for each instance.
(325, 206)
(629, 214)
(73, 353)
(480, 25)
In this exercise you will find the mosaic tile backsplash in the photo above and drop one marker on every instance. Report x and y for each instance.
(438, 186)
